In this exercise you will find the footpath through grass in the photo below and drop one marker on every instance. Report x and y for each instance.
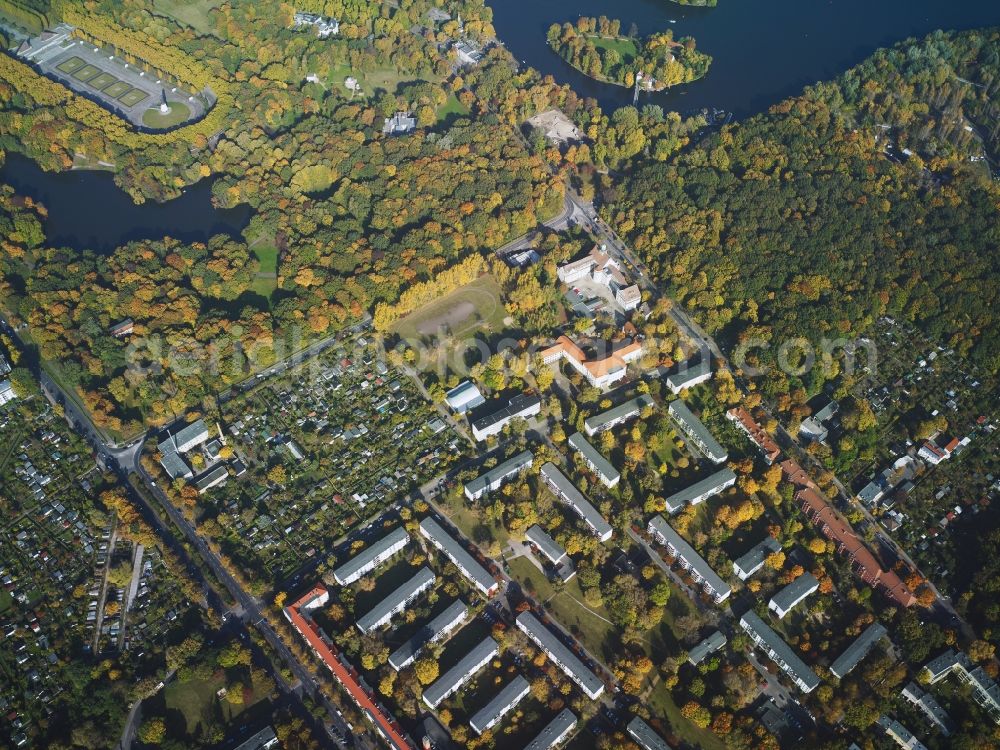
(467, 309)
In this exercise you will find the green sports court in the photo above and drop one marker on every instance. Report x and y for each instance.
(71, 65)
(133, 97)
(102, 81)
(117, 89)
(86, 73)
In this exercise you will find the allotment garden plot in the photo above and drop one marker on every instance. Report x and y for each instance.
(70, 583)
(325, 447)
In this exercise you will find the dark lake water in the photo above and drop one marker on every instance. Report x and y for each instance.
(763, 50)
(88, 211)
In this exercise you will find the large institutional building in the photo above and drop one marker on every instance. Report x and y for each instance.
(600, 373)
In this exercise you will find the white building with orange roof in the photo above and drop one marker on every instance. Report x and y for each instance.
(600, 373)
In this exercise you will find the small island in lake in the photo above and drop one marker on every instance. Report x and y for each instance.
(596, 47)
(702, 3)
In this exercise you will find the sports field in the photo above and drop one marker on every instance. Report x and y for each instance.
(473, 306)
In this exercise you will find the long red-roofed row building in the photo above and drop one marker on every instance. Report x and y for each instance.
(383, 721)
(838, 530)
(742, 418)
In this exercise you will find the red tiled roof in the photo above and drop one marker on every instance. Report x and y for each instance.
(757, 433)
(838, 530)
(386, 725)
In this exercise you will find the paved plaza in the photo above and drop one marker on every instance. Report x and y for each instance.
(99, 74)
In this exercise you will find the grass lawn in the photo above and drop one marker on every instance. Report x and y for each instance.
(6, 600)
(70, 65)
(471, 522)
(371, 80)
(266, 280)
(82, 161)
(196, 701)
(599, 637)
(624, 46)
(152, 117)
(661, 703)
(452, 107)
(567, 605)
(267, 254)
(473, 306)
(193, 13)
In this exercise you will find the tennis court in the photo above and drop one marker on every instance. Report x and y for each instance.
(102, 81)
(71, 65)
(86, 73)
(133, 97)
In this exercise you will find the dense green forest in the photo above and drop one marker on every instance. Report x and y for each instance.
(595, 47)
(344, 216)
(863, 197)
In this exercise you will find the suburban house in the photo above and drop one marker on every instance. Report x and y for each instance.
(689, 559)
(7, 393)
(400, 123)
(324, 26)
(601, 268)
(522, 405)
(600, 373)
(120, 330)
